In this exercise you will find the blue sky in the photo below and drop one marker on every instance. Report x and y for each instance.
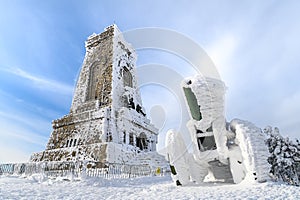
(254, 45)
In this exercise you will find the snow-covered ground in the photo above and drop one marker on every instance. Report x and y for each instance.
(35, 187)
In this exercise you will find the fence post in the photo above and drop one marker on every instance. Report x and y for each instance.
(129, 171)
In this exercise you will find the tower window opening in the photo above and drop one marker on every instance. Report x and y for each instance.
(93, 80)
(131, 139)
(127, 77)
(124, 137)
(75, 142)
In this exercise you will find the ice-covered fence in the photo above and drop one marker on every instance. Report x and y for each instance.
(56, 169)
(7, 169)
(115, 170)
(76, 169)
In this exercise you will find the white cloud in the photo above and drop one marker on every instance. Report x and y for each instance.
(18, 142)
(41, 82)
(288, 115)
(290, 105)
(9, 154)
(222, 51)
(15, 131)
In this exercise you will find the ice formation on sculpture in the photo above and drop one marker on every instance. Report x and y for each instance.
(183, 165)
(107, 121)
(231, 152)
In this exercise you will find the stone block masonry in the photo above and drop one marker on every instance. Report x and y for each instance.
(107, 122)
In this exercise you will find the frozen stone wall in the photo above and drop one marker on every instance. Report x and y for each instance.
(107, 121)
(98, 58)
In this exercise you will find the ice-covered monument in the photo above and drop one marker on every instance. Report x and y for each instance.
(107, 122)
(229, 152)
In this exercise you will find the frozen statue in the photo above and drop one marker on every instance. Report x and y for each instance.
(228, 152)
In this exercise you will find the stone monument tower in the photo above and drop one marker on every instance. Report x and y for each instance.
(107, 121)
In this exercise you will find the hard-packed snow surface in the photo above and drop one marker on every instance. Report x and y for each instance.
(36, 187)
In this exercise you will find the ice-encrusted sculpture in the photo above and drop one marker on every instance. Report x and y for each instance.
(229, 152)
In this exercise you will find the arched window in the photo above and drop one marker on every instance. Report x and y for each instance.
(141, 141)
(127, 77)
(131, 139)
(124, 137)
(104, 87)
(95, 71)
(75, 142)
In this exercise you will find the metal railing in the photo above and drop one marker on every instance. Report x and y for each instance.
(79, 168)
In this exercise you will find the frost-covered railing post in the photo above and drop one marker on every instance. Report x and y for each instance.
(129, 175)
(13, 167)
(43, 166)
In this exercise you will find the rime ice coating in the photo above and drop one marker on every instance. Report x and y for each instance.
(107, 121)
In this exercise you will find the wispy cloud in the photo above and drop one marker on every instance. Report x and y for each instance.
(19, 130)
(9, 154)
(41, 82)
(18, 142)
(222, 52)
(26, 119)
